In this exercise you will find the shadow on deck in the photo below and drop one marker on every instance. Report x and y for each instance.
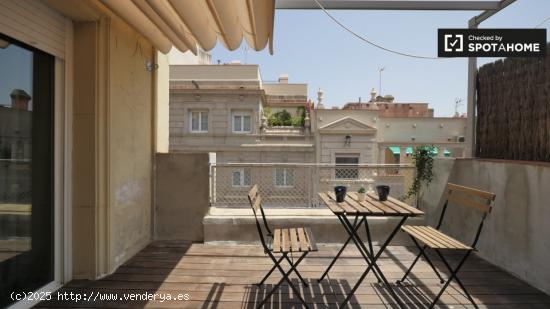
(225, 276)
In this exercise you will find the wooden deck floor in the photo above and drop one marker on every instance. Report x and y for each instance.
(224, 276)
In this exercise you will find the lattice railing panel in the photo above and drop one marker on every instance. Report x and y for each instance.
(287, 185)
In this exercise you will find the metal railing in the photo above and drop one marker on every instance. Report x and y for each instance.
(295, 185)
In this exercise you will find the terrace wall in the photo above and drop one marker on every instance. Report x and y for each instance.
(515, 236)
(181, 201)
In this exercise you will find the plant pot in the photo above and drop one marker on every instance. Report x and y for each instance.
(361, 196)
(383, 192)
(340, 192)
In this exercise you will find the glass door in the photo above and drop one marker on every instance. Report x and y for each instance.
(26, 169)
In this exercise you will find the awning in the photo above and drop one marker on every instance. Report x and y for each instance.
(395, 150)
(186, 24)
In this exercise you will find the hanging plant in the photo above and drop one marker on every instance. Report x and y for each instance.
(423, 162)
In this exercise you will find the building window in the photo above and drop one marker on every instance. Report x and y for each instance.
(241, 122)
(241, 178)
(346, 166)
(198, 121)
(284, 177)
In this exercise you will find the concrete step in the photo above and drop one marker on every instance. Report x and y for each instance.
(237, 225)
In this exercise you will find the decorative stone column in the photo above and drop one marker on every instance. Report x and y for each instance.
(382, 155)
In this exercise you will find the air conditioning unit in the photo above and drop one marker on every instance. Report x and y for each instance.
(460, 139)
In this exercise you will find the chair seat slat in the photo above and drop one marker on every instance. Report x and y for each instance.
(294, 245)
(434, 238)
(276, 240)
(304, 245)
(293, 240)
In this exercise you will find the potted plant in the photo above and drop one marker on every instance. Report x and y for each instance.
(423, 161)
(361, 194)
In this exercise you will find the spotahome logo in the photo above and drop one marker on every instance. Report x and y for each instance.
(491, 42)
(454, 42)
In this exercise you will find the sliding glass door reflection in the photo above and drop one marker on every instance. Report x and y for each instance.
(26, 169)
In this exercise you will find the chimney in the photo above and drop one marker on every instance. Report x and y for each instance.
(320, 97)
(283, 79)
(20, 99)
(373, 95)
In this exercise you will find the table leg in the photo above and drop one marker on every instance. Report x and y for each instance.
(356, 227)
(372, 262)
(369, 240)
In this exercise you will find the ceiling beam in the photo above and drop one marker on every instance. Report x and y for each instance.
(459, 5)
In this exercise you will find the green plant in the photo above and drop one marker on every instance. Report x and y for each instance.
(423, 162)
(280, 118)
(267, 112)
(297, 121)
(361, 190)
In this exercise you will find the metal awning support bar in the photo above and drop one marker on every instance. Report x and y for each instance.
(456, 5)
(473, 23)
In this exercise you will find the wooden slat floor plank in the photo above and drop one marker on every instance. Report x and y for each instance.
(224, 276)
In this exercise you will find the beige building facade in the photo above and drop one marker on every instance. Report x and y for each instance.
(224, 110)
(234, 100)
(220, 109)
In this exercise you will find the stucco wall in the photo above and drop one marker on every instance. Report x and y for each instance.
(423, 130)
(182, 195)
(200, 72)
(332, 145)
(162, 103)
(130, 141)
(515, 236)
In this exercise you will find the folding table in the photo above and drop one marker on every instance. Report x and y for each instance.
(361, 211)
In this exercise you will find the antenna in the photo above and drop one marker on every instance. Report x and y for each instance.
(458, 102)
(380, 69)
(246, 50)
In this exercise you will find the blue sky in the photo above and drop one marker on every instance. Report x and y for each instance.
(312, 49)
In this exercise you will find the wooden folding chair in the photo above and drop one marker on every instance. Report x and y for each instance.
(282, 241)
(436, 240)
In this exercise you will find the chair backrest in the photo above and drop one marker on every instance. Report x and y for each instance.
(255, 200)
(476, 199)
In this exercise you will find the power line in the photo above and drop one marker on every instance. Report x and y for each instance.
(542, 22)
(335, 20)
